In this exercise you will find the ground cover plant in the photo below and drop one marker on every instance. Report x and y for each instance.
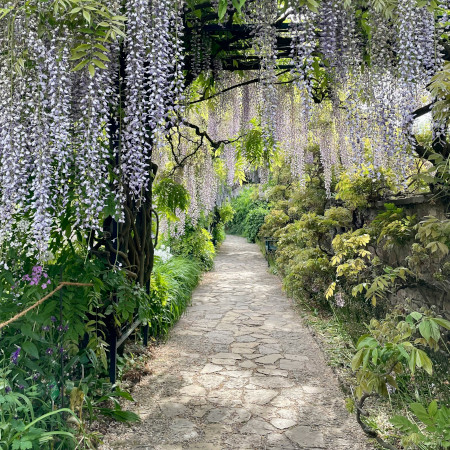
(124, 125)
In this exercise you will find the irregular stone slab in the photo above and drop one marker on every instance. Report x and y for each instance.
(305, 437)
(173, 409)
(269, 359)
(227, 356)
(273, 372)
(223, 362)
(245, 344)
(211, 368)
(242, 350)
(182, 430)
(193, 390)
(211, 380)
(248, 365)
(257, 426)
(272, 382)
(279, 442)
(260, 396)
(245, 338)
(220, 337)
(282, 424)
(238, 373)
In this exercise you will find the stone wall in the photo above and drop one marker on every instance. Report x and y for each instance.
(426, 292)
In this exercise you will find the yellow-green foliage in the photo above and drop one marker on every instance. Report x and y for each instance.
(360, 188)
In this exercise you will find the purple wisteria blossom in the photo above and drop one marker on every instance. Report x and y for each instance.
(15, 356)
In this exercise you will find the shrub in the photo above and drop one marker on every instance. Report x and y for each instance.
(254, 221)
(360, 188)
(195, 243)
(247, 200)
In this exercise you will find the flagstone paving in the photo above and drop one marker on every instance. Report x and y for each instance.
(240, 371)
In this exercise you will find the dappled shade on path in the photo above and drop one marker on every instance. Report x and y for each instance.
(240, 371)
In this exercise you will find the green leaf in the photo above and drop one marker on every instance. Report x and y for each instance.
(80, 65)
(91, 70)
(419, 410)
(441, 322)
(31, 349)
(98, 64)
(404, 424)
(422, 360)
(87, 16)
(223, 5)
(357, 360)
(433, 408)
(416, 315)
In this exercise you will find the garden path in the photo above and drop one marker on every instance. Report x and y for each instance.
(239, 371)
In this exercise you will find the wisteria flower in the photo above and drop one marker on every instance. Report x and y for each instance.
(15, 356)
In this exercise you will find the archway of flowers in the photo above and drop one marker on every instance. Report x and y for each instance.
(95, 95)
(122, 121)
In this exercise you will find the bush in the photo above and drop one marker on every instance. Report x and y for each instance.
(254, 221)
(247, 200)
(171, 286)
(195, 243)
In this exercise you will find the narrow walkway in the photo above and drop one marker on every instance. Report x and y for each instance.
(239, 371)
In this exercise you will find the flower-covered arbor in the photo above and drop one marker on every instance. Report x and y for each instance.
(96, 95)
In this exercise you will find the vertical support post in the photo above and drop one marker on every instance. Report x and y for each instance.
(146, 327)
(112, 341)
(112, 334)
(61, 350)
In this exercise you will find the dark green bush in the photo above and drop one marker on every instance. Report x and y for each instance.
(254, 221)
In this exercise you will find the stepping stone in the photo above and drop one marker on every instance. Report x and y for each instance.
(182, 430)
(257, 426)
(305, 437)
(227, 356)
(273, 372)
(223, 362)
(248, 365)
(193, 390)
(260, 396)
(173, 409)
(282, 424)
(238, 373)
(272, 382)
(210, 381)
(269, 359)
(211, 368)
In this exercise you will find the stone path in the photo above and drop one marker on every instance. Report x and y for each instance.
(239, 371)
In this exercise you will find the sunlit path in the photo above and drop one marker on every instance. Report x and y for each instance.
(240, 371)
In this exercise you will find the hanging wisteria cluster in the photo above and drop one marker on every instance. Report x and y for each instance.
(80, 138)
(347, 81)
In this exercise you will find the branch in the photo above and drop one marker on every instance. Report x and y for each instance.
(244, 83)
(360, 412)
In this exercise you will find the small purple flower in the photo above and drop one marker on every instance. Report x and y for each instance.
(45, 328)
(36, 376)
(49, 351)
(21, 387)
(8, 389)
(53, 319)
(61, 350)
(60, 328)
(15, 356)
